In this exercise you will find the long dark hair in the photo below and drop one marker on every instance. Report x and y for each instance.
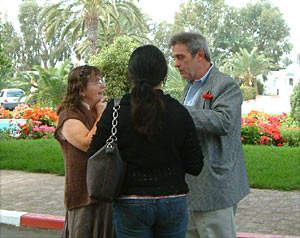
(77, 82)
(147, 68)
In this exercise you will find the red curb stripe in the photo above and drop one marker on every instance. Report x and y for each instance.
(253, 235)
(57, 222)
(43, 221)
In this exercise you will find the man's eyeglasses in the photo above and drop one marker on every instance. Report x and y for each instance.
(99, 82)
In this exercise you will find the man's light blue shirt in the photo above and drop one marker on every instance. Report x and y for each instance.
(194, 89)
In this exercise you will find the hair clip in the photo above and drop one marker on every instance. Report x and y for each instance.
(82, 71)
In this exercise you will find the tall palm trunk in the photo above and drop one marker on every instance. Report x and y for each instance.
(255, 85)
(91, 21)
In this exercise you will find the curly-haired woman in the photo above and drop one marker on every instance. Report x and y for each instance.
(79, 113)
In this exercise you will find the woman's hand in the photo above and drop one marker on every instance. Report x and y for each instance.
(100, 106)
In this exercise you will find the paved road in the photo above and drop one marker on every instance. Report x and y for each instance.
(261, 212)
(9, 231)
(268, 104)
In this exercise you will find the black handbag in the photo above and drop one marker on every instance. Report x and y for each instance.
(106, 169)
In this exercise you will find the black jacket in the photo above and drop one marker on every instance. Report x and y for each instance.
(158, 167)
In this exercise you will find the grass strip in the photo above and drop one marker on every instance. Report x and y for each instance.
(271, 167)
(41, 155)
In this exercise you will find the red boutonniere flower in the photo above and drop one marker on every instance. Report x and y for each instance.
(207, 95)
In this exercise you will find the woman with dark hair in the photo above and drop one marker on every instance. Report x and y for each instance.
(79, 113)
(157, 139)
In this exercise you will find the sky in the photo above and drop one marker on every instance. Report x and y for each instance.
(164, 10)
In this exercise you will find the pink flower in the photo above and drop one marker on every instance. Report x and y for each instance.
(45, 136)
(44, 128)
(35, 128)
(52, 128)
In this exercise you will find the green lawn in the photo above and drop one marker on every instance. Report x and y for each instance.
(42, 155)
(273, 167)
(268, 167)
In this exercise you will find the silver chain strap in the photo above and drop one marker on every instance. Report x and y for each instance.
(113, 138)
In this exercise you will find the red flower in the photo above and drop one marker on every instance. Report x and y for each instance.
(207, 96)
(242, 138)
(264, 140)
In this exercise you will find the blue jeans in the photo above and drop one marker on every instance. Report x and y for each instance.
(147, 218)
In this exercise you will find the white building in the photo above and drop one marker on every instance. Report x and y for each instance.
(282, 82)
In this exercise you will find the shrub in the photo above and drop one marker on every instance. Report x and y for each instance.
(250, 135)
(30, 130)
(261, 128)
(260, 87)
(291, 136)
(113, 62)
(19, 111)
(45, 115)
(248, 93)
(5, 114)
(295, 103)
(174, 93)
(40, 123)
(175, 83)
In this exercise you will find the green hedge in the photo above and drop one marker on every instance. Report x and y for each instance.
(248, 93)
(113, 62)
(295, 103)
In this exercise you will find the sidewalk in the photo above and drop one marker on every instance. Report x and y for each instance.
(269, 104)
(262, 212)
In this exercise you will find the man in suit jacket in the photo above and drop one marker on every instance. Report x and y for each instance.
(214, 100)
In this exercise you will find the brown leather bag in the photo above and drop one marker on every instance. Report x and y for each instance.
(106, 169)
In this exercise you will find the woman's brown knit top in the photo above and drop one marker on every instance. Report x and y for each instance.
(76, 194)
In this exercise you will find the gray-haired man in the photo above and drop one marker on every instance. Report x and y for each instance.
(214, 100)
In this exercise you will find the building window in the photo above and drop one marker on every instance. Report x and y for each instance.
(291, 81)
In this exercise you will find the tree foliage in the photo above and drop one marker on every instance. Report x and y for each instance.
(247, 66)
(36, 49)
(113, 62)
(162, 33)
(84, 18)
(5, 65)
(229, 29)
(9, 49)
(295, 103)
(267, 26)
(50, 84)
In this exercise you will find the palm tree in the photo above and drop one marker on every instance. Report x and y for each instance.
(247, 66)
(174, 79)
(51, 84)
(175, 83)
(83, 17)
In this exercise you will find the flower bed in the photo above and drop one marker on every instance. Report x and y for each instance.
(257, 127)
(263, 129)
(40, 122)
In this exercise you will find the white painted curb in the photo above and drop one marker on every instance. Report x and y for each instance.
(11, 217)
